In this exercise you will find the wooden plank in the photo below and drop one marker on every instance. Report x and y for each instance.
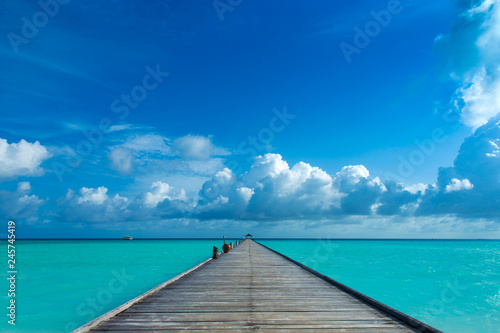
(251, 288)
(268, 330)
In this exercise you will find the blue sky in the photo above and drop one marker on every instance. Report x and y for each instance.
(172, 119)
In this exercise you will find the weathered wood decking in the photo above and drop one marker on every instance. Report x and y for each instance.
(253, 288)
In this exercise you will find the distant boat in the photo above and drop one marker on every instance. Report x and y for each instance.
(126, 238)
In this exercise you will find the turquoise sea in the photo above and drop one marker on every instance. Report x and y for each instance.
(452, 285)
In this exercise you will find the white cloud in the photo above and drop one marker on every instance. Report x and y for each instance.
(19, 204)
(459, 185)
(273, 190)
(360, 195)
(96, 206)
(270, 189)
(95, 196)
(482, 7)
(21, 159)
(471, 187)
(473, 49)
(495, 149)
(93, 205)
(194, 147)
(416, 188)
(122, 160)
(269, 165)
(481, 97)
(350, 175)
(245, 193)
(160, 192)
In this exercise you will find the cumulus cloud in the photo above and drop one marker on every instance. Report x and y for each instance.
(93, 205)
(95, 196)
(473, 48)
(351, 175)
(481, 97)
(399, 199)
(363, 197)
(471, 187)
(272, 190)
(269, 190)
(21, 159)
(359, 194)
(20, 204)
(416, 188)
(458, 185)
(96, 206)
(160, 192)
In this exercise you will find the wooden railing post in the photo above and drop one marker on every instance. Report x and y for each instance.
(216, 253)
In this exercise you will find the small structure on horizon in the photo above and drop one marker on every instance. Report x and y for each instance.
(248, 235)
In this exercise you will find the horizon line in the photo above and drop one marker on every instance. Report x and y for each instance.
(262, 238)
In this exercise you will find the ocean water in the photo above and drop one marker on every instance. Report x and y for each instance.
(452, 285)
(62, 285)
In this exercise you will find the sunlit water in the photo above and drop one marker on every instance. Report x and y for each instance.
(61, 285)
(452, 285)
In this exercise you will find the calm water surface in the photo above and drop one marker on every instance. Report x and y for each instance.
(452, 285)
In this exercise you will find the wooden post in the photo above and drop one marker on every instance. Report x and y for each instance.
(231, 244)
(216, 253)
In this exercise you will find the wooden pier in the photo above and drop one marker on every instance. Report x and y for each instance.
(254, 288)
